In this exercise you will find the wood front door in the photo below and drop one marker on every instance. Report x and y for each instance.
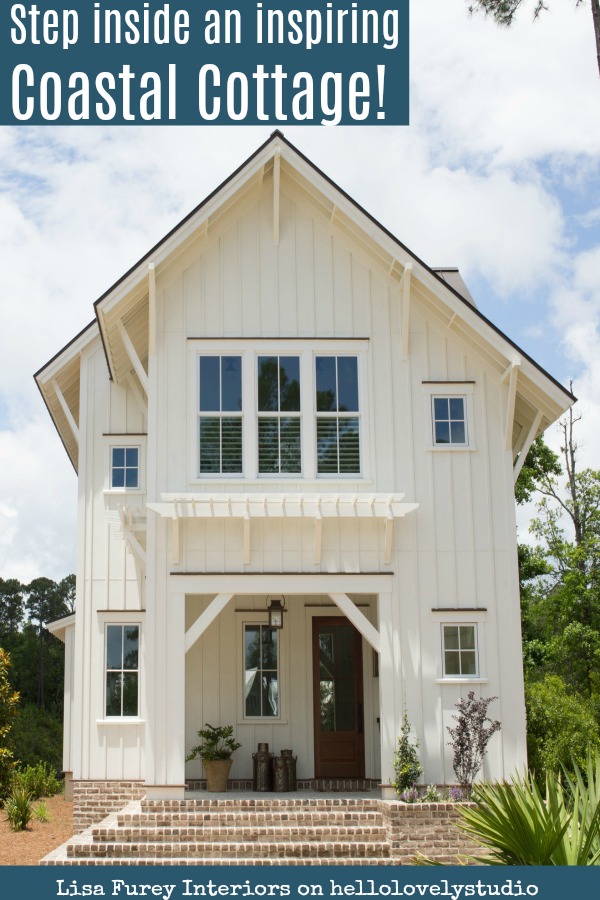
(338, 699)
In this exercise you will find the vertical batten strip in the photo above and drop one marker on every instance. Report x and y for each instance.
(151, 310)
(406, 307)
(276, 184)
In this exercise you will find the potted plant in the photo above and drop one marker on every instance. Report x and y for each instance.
(215, 751)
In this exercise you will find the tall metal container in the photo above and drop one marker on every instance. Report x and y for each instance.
(280, 774)
(262, 769)
(290, 764)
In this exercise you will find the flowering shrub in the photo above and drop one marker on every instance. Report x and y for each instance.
(411, 795)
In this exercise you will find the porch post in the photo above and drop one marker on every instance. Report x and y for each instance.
(389, 690)
(165, 727)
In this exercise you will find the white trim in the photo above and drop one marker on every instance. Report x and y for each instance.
(256, 617)
(449, 389)
(478, 667)
(281, 583)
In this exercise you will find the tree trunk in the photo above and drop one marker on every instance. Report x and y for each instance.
(596, 17)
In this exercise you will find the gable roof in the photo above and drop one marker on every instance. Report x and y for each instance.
(126, 301)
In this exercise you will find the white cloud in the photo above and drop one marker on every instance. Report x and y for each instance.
(502, 123)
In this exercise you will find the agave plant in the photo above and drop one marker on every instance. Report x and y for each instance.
(517, 825)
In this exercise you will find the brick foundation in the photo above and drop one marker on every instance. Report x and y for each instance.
(430, 829)
(94, 800)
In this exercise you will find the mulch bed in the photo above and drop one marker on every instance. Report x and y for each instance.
(26, 848)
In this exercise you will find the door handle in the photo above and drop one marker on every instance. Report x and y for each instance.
(360, 718)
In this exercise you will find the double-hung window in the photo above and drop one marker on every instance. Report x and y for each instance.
(220, 415)
(459, 646)
(261, 671)
(122, 670)
(337, 414)
(279, 424)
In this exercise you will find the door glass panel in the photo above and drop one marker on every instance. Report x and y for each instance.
(337, 678)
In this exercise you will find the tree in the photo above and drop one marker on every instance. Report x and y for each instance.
(561, 726)
(9, 701)
(504, 11)
(11, 606)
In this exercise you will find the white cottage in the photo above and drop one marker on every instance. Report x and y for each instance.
(281, 405)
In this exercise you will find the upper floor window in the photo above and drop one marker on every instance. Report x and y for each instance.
(337, 408)
(449, 421)
(279, 426)
(125, 468)
(220, 415)
(261, 671)
(122, 670)
(459, 645)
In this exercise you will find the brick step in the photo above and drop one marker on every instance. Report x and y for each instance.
(222, 818)
(240, 833)
(265, 802)
(238, 850)
(219, 861)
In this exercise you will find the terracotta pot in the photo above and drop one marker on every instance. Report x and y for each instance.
(217, 773)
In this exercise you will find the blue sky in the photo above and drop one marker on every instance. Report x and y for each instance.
(498, 173)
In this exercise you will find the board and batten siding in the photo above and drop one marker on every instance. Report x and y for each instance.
(457, 550)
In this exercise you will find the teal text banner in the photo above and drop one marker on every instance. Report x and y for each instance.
(196, 62)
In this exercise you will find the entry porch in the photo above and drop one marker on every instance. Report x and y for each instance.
(327, 685)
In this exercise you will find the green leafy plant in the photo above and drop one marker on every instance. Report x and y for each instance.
(217, 743)
(41, 813)
(470, 738)
(38, 781)
(519, 825)
(431, 795)
(18, 809)
(407, 767)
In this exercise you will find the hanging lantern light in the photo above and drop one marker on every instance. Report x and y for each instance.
(276, 608)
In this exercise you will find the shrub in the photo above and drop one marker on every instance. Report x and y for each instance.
(37, 735)
(560, 726)
(18, 809)
(470, 738)
(41, 813)
(38, 781)
(407, 767)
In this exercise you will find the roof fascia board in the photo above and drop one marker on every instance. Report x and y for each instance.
(186, 229)
(471, 312)
(67, 355)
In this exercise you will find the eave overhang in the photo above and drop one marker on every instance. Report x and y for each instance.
(58, 382)
(59, 627)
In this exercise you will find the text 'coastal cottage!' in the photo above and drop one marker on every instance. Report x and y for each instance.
(280, 403)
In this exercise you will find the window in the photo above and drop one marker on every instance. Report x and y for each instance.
(220, 414)
(125, 468)
(459, 644)
(122, 670)
(449, 421)
(338, 443)
(261, 671)
(279, 415)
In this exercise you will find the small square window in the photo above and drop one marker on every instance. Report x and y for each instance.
(125, 468)
(449, 421)
(459, 648)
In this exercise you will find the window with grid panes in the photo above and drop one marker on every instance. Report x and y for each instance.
(220, 415)
(459, 650)
(337, 414)
(279, 424)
